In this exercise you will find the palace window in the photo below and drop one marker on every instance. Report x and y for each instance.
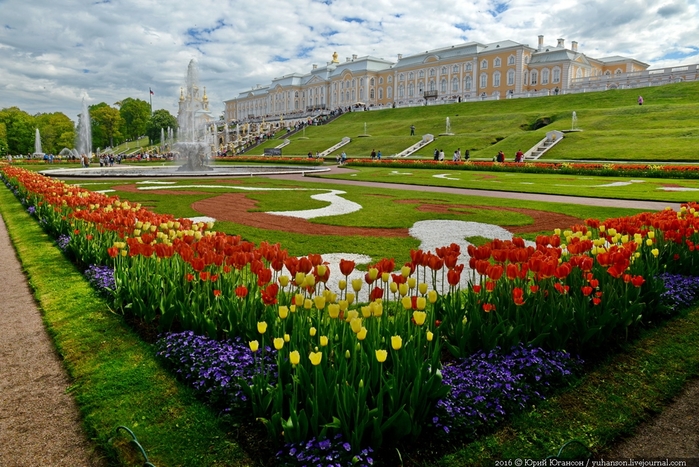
(401, 91)
(484, 80)
(380, 81)
(444, 70)
(496, 79)
(389, 92)
(421, 74)
(468, 82)
(545, 76)
(411, 76)
(469, 66)
(444, 85)
(497, 62)
(401, 77)
(455, 84)
(411, 89)
(390, 79)
(380, 93)
(534, 77)
(371, 94)
(455, 69)
(526, 59)
(371, 82)
(432, 85)
(511, 60)
(484, 64)
(511, 77)
(432, 72)
(556, 75)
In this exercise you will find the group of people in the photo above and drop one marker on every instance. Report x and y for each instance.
(500, 156)
(375, 155)
(457, 157)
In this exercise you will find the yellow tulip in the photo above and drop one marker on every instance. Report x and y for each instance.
(421, 303)
(292, 308)
(356, 325)
(432, 296)
(300, 277)
(419, 317)
(323, 341)
(254, 345)
(351, 314)
(366, 311)
(287, 337)
(310, 280)
(299, 299)
(601, 228)
(350, 298)
(312, 331)
(308, 304)
(396, 342)
(651, 234)
(319, 302)
(315, 358)
(411, 282)
(393, 287)
(407, 303)
(557, 231)
(321, 269)
(385, 277)
(283, 281)
(655, 252)
(405, 271)
(430, 336)
(278, 343)
(344, 304)
(649, 242)
(356, 285)
(283, 312)
(422, 288)
(361, 335)
(373, 274)
(612, 231)
(347, 354)
(342, 284)
(376, 308)
(261, 327)
(403, 290)
(381, 355)
(295, 357)
(334, 310)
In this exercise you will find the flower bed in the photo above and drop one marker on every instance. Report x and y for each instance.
(366, 362)
(568, 168)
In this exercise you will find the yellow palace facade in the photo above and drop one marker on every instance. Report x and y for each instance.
(466, 72)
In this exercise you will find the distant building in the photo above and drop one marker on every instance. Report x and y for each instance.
(465, 72)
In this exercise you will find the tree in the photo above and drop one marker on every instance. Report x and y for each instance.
(160, 119)
(3, 140)
(20, 130)
(105, 122)
(57, 132)
(135, 114)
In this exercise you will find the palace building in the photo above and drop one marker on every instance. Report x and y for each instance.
(465, 72)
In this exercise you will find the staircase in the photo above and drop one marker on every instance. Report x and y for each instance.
(539, 149)
(330, 150)
(426, 139)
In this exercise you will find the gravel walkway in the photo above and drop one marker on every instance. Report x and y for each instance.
(39, 422)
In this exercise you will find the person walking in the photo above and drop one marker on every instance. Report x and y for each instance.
(412, 130)
(373, 154)
(640, 100)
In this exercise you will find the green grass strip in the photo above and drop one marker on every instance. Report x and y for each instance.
(116, 377)
(606, 404)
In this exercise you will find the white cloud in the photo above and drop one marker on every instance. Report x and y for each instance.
(55, 52)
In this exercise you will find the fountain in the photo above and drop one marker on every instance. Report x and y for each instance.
(84, 143)
(448, 129)
(575, 121)
(37, 145)
(365, 134)
(195, 139)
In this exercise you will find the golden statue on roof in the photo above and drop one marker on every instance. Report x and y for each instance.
(335, 60)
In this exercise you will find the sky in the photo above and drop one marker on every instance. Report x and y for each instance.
(55, 53)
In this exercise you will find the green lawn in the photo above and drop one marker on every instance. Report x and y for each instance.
(634, 188)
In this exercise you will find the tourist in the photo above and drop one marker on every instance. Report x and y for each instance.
(412, 130)
(9, 159)
(436, 154)
(640, 100)
(343, 157)
(519, 157)
(378, 155)
(456, 156)
(310, 155)
(467, 155)
(500, 157)
(373, 154)
(441, 155)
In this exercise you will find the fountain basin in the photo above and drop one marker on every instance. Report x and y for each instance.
(130, 171)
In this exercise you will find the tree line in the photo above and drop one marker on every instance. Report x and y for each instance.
(127, 119)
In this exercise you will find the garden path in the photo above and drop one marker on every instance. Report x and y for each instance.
(40, 423)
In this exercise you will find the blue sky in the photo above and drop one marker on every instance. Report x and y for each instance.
(54, 53)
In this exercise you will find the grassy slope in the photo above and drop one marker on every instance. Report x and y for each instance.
(614, 127)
